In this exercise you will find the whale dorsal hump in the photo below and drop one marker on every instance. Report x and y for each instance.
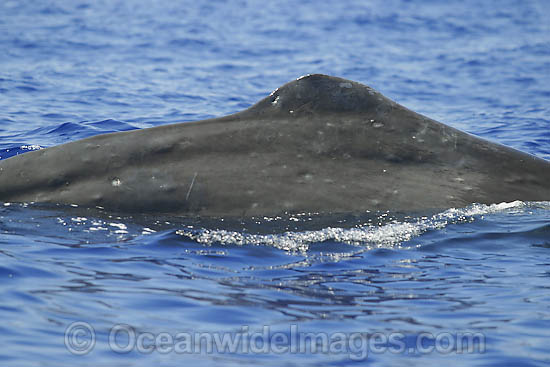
(323, 94)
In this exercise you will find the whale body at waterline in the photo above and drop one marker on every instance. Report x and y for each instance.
(318, 144)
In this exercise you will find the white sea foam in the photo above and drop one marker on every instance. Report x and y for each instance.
(389, 235)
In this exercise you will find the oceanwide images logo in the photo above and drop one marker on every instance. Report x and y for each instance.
(80, 339)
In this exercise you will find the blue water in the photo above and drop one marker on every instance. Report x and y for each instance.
(393, 291)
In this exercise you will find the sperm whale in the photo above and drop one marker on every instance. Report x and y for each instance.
(317, 144)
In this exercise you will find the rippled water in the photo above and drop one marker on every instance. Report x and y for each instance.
(388, 289)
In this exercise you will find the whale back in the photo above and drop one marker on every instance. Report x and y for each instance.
(317, 144)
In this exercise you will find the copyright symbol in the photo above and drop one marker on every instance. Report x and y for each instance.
(80, 338)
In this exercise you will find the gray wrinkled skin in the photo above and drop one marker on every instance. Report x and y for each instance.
(317, 144)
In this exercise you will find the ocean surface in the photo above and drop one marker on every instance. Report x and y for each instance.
(463, 287)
